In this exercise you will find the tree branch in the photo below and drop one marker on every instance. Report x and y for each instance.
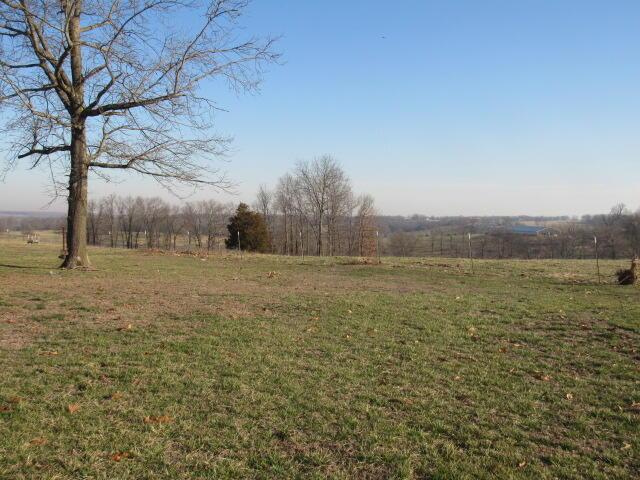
(111, 107)
(45, 150)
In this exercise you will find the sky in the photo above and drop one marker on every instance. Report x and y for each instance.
(450, 107)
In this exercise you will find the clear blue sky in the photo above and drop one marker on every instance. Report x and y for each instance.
(437, 107)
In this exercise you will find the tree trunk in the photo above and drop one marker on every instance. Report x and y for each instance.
(77, 214)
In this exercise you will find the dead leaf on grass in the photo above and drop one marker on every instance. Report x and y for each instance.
(38, 441)
(73, 408)
(159, 419)
(116, 457)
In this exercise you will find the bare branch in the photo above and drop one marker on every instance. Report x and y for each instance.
(45, 150)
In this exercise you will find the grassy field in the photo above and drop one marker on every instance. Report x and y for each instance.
(166, 366)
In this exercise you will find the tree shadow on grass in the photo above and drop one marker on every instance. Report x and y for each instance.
(24, 267)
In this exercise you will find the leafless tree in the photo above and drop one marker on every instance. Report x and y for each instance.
(315, 179)
(611, 229)
(284, 204)
(402, 244)
(215, 217)
(94, 215)
(153, 210)
(366, 225)
(193, 222)
(128, 217)
(110, 216)
(264, 205)
(173, 226)
(631, 228)
(97, 85)
(339, 197)
(350, 225)
(316, 212)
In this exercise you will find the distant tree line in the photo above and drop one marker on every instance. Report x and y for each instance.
(313, 210)
(420, 223)
(26, 223)
(618, 234)
(134, 222)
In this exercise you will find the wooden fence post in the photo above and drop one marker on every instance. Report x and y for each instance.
(595, 242)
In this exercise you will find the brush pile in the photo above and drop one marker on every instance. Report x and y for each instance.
(628, 276)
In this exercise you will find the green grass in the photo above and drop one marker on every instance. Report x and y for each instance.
(267, 367)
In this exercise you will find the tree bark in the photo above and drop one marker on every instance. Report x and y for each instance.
(77, 255)
(77, 214)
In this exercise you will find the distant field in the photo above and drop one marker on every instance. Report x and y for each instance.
(165, 366)
(54, 237)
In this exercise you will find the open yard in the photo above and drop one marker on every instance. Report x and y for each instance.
(166, 366)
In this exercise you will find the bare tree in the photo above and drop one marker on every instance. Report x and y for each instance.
(315, 180)
(104, 85)
(215, 216)
(350, 224)
(128, 216)
(94, 214)
(193, 222)
(153, 211)
(612, 228)
(264, 204)
(402, 244)
(109, 213)
(316, 202)
(339, 196)
(173, 226)
(631, 228)
(366, 226)
(284, 203)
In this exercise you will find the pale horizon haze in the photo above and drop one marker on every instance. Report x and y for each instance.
(433, 107)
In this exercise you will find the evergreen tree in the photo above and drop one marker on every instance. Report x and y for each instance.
(254, 235)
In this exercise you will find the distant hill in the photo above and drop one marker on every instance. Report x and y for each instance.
(422, 223)
(5, 213)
